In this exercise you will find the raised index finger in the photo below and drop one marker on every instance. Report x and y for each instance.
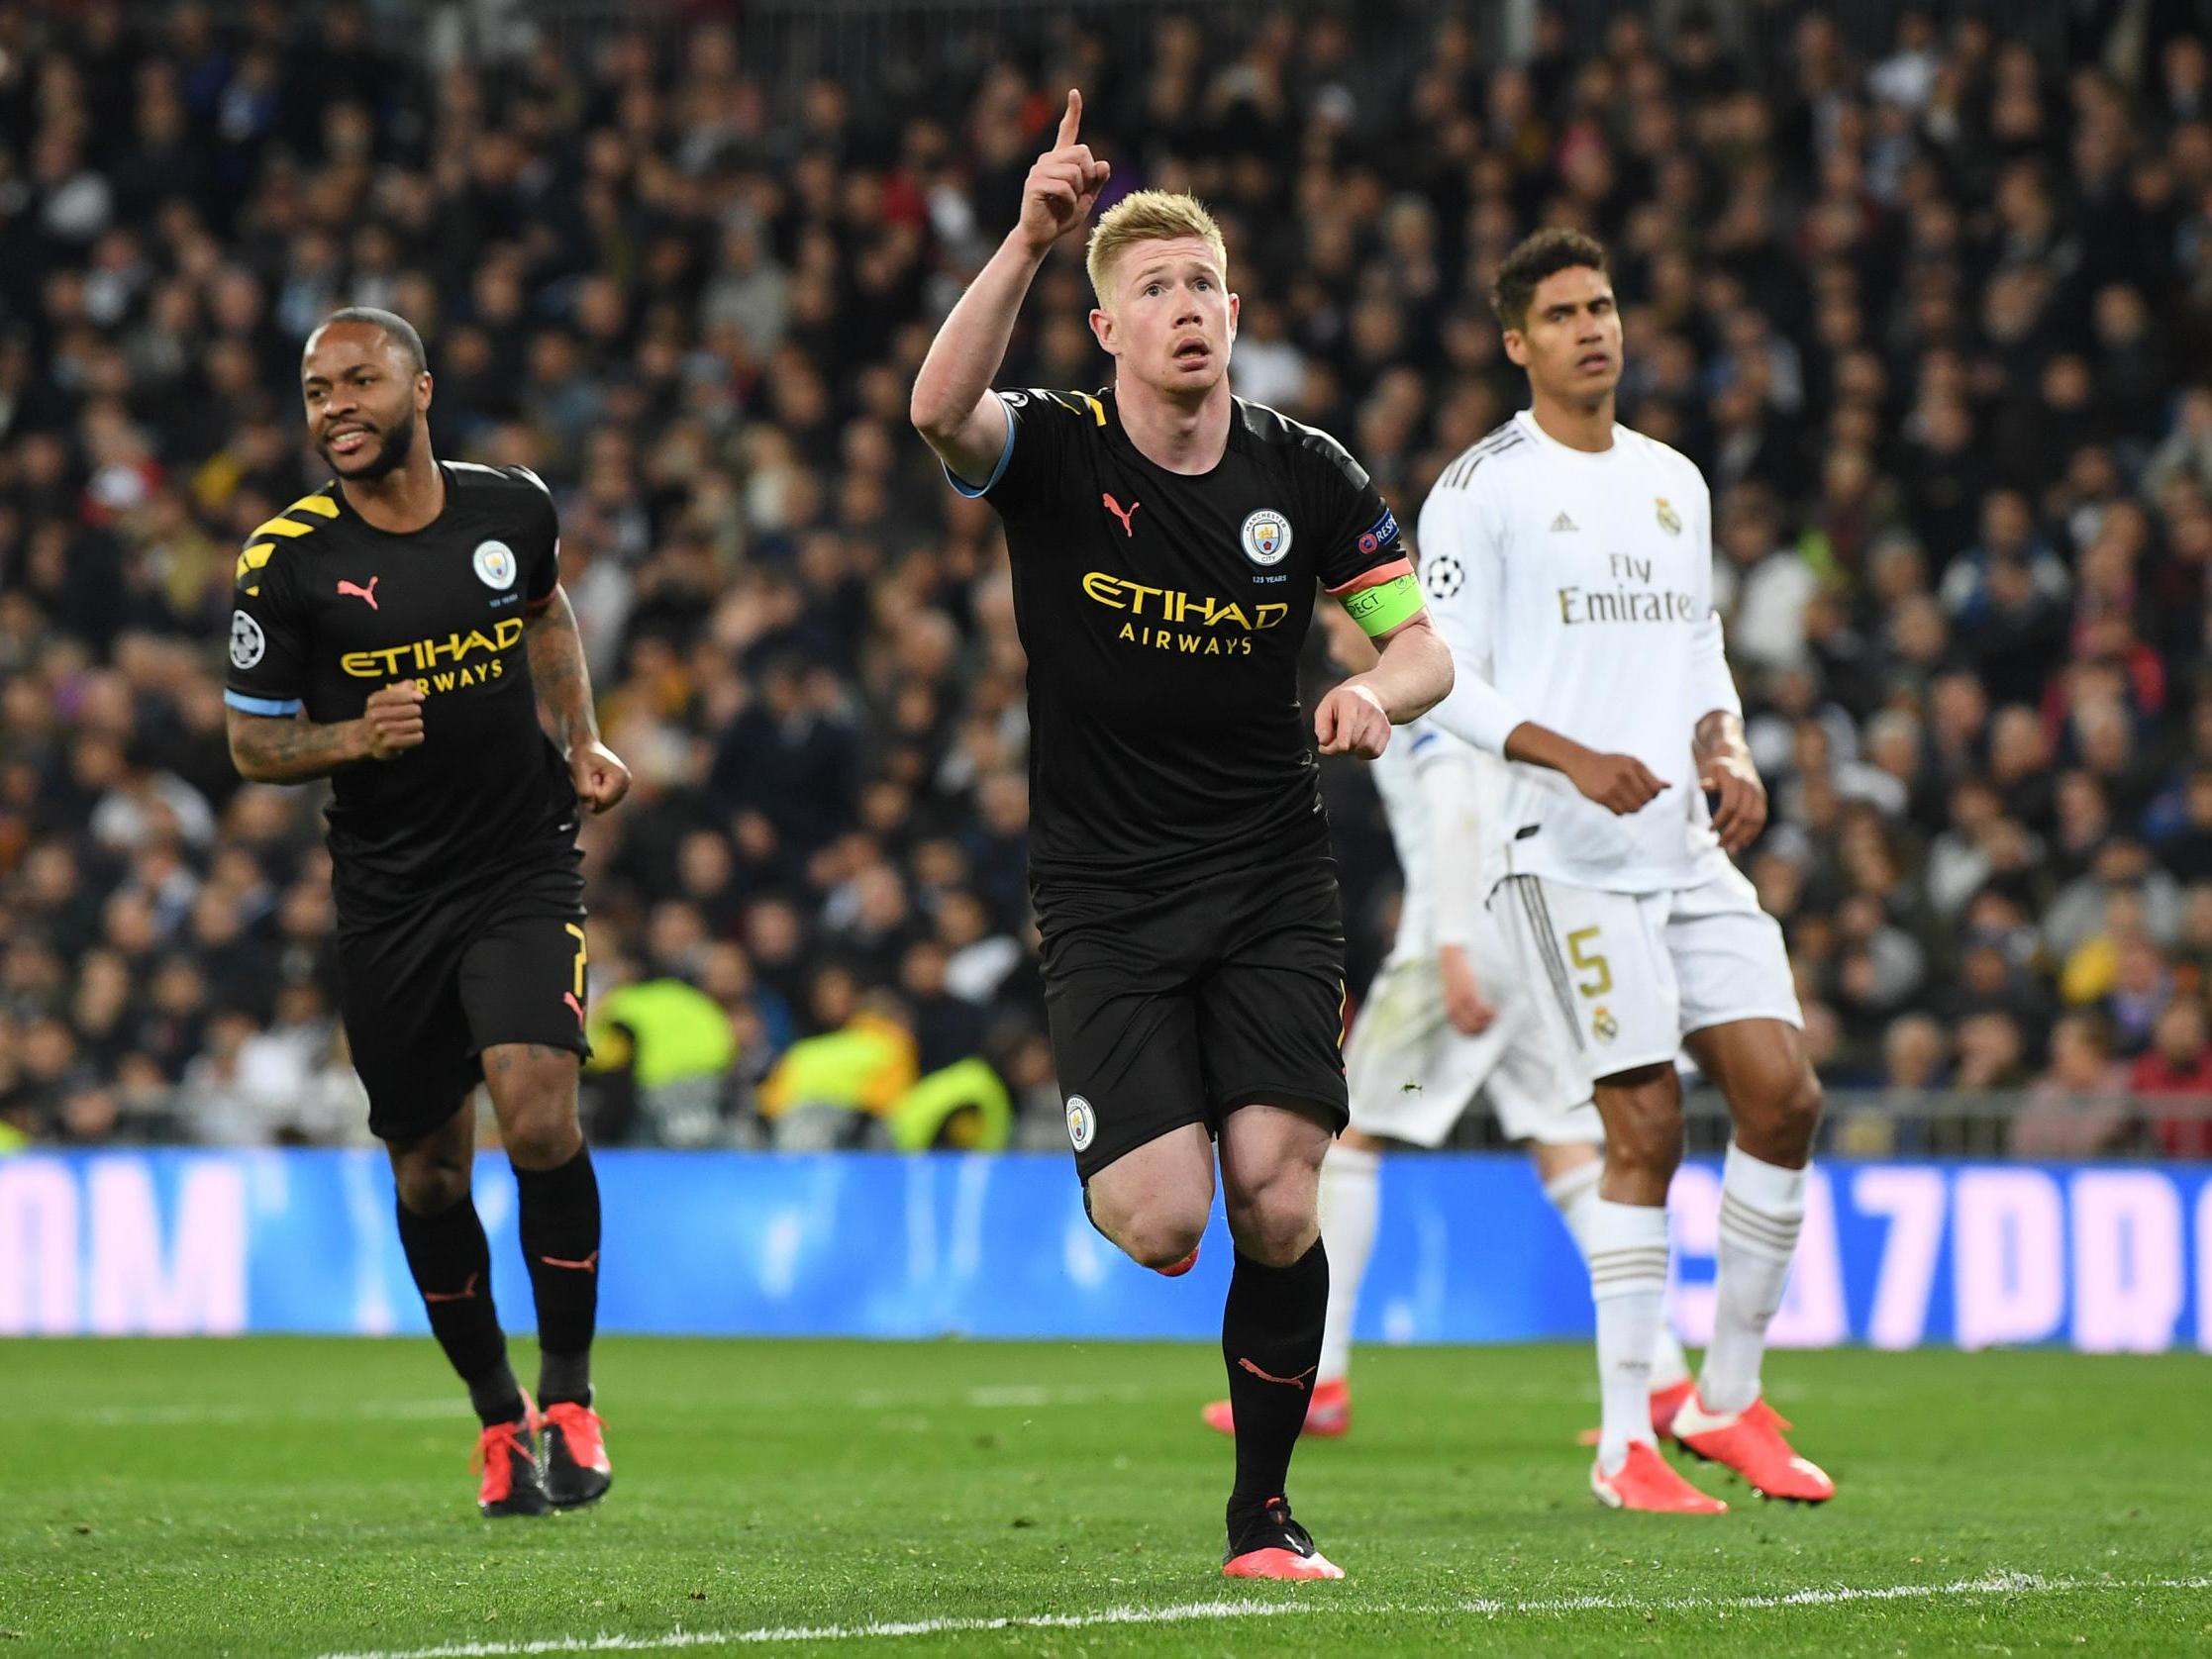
(1068, 121)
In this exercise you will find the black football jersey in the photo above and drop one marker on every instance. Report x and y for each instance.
(331, 608)
(1163, 618)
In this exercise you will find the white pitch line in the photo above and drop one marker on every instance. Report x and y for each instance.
(184, 1414)
(994, 1397)
(846, 1632)
(1029, 1396)
(1994, 1584)
(298, 1411)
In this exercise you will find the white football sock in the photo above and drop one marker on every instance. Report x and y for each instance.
(1628, 1282)
(1351, 1195)
(1574, 1195)
(1762, 1206)
(1669, 1365)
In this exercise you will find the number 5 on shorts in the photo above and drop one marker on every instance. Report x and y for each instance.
(581, 956)
(1589, 959)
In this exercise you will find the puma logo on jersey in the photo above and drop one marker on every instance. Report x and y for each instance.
(1562, 523)
(1114, 507)
(368, 593)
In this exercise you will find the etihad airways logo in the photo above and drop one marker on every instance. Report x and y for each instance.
(449, 650)
(1172, 618)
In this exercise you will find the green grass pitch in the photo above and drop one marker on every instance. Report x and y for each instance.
(277, 1497)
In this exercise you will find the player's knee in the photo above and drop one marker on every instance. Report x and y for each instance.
(1161, 1236)
(1792, 1116)
(1643, 1134)
(1155, 1226)
(1646, 1161)
(540, 1130)
(1276, 1222)
(1802, 1113)
(429, 1184)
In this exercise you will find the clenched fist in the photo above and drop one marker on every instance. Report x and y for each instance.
(1741, 813)
(1351, 720)
(1620, 783)
(601, 778)
(394, 719)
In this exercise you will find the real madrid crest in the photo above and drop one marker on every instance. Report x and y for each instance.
(495, 564)
(1267, 536)
(1670, 520)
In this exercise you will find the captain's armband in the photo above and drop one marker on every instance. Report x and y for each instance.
(1382, 599)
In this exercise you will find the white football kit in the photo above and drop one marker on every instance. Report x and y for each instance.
(1576, 590)
(1410, 1073)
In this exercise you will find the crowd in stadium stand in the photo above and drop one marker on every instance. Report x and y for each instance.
(1934, 320)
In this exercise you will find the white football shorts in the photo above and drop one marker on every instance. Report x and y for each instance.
(1412, 1076)
(1622, 977)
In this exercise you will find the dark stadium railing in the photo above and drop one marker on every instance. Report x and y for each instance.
(1856, 1122)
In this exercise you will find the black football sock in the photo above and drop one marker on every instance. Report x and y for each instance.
(452, 1265)
(1270, 1339)
(560, 1242)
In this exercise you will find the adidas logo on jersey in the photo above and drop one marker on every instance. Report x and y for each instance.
(1563, 522)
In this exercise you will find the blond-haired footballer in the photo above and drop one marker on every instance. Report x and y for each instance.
(1169, 542)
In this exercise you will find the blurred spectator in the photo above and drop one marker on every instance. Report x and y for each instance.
(1915, 1065)
(662, 1053)
(2176, 1077)
(1913, 1053)
(2077, 1107)
(1761, 585)
(1992, 1053)
(835, 1088)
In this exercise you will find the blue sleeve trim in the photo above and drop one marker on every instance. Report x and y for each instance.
(273, 707)
(973, 491)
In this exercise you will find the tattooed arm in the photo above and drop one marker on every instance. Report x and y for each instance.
(267, 750)
(563, 682)
(559, 675)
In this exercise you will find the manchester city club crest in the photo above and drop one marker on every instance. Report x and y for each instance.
(1082, 1123)
(1670, 520)
(495, 566)
(1267, 536)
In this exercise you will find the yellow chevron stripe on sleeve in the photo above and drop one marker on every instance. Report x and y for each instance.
(254, 589)
(318, 506)
(282, 527)
(254, 558)
(1097, 409)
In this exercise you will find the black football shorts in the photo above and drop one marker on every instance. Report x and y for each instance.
(1178, 1007)
(426, 990)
